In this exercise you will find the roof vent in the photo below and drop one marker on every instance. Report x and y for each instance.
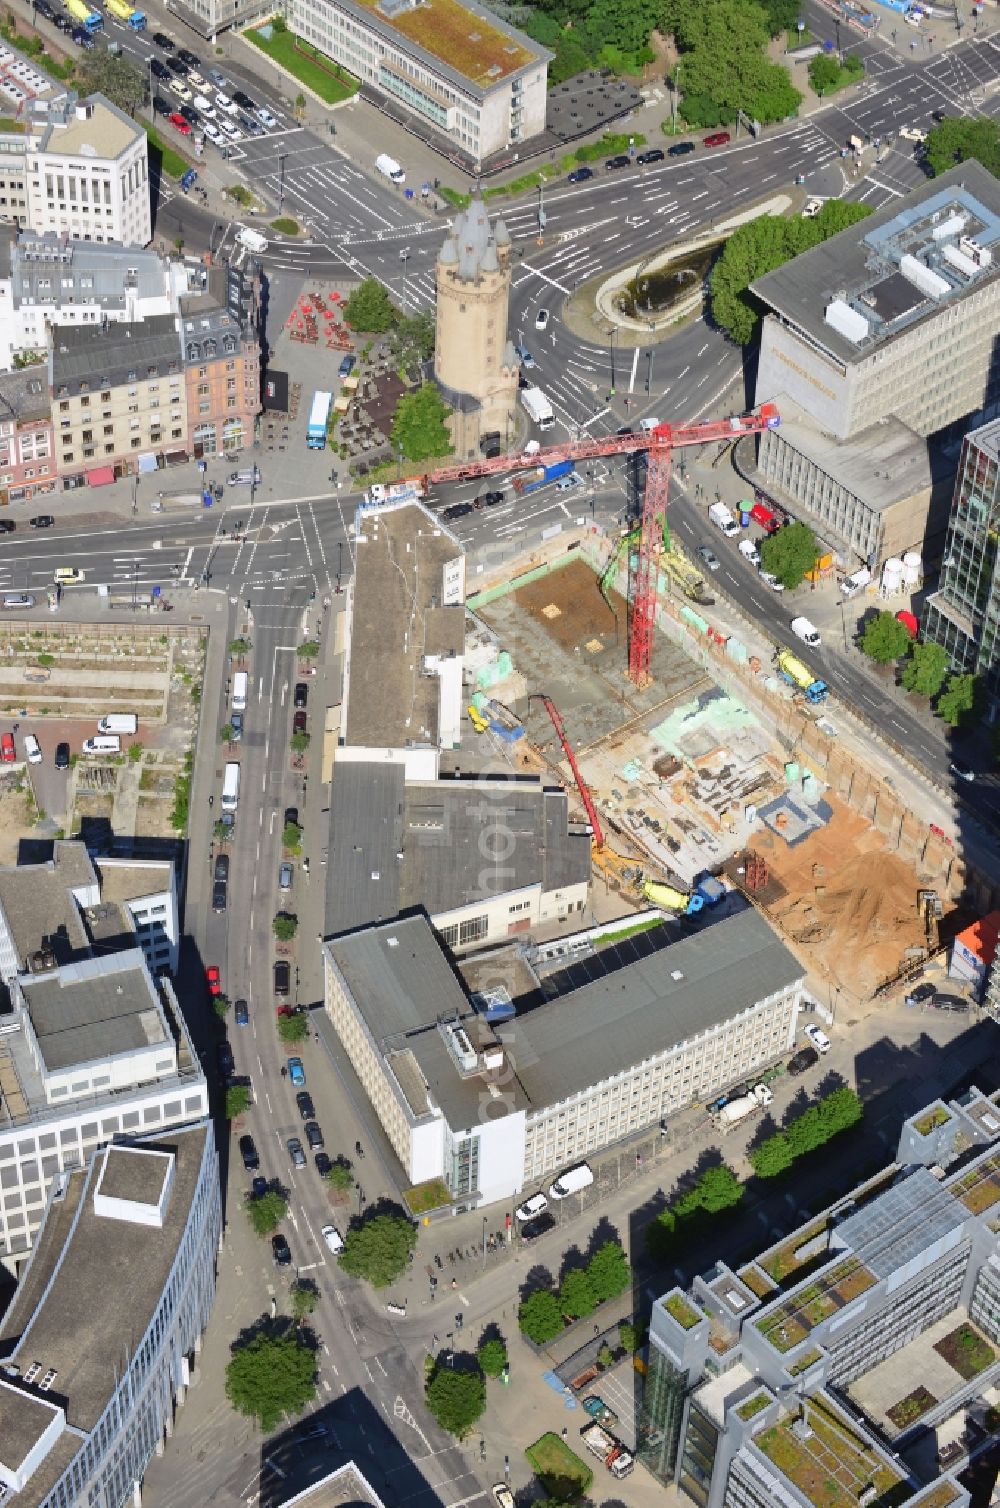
(392, 942)
(676, 974)
(47, 1380)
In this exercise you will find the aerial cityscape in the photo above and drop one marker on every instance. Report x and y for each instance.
(499, 755)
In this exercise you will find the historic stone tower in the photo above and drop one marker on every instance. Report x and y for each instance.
(474, 362)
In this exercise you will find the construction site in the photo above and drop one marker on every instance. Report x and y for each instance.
(686, 779)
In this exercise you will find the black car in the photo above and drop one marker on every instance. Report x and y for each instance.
(250, 125)
(190, 58)
(306, 1108)
(291, 816)
(161, 39)
(314, 1136)
(490, 499)
(249, 1153)
(161, 107)
(7, 526)
(457, 510)
(532, 1229)
(323, 1163)
(241, 98)
(242, 1013)
(803, 1060)
(219, 896)
(920, 994)
(680, 149)
(44, 9)
(178, 67)
(236, 723)
(944, 1002)
(221, 867)
(258, 1187)
(61, 760)
(281, 1251)
(82, 38)
(295, 1152)
(580, 175)
(614, 163)
(189, 113)
(159, 70)
(655, 154)
(42, 521)
(224, 1059)
(62, 23)
(282, 977)
(301, 694)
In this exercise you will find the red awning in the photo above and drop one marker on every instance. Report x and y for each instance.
(100, 476)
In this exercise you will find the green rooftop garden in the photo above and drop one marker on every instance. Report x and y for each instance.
(755, 1280)
(684, 1313)
(936, 1116)
(790, 1323)
(784, 1260)
(967, 1351)
(979, 1189)
(833, 1466)
(755, 1404)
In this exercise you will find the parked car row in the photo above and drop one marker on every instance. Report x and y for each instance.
(651, 155)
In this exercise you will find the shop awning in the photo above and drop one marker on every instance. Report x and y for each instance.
(100, 476)
(147, 463)
(175, 457)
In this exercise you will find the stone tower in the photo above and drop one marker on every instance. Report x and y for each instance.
(475, 364)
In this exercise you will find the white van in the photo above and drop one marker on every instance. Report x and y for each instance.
(749, 551)
(852, 585)
(389, 168)
(32, 749)
(572, 1181)
(104, 743)
(646, 426)
(230, 787)
(119, 722)
(806, 631)
(251, 239)
(18, 600)
(241, 682)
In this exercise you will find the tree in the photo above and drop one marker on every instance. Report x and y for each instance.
(291, 837)
(885, 639)
(240, 648)
(418, 427)
(299, 743)
(266, 1211)
(958, 138)
(824, 74)
(237, 1100)
(456, 1398)
(628, 1334)
(300, 103)
(369, 308)
(378, 1249)
(98, 72)
(772, 1156)
(718, 1189)
(413, 338)
(304, 1299)
(226, 733)
(790, 553)
(608, 1271)
(309, 650)
(293, 1028)
(958, 702)
(925, 670)
(285, 926)
(492, 1356)
(540, 1317)
(340, 1176)
(220, 1005)
(270, 1377)
(576, 1296)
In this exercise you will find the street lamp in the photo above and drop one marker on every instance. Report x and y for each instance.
(281, 180)
(614, 332)
(404, 257)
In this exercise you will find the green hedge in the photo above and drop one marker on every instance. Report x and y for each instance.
(835, 1112)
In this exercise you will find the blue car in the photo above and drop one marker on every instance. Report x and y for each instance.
(296, 1072)
(189, 179)
(580, 175)
(82, 38)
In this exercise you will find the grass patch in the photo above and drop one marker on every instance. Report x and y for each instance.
(753, 1405)
(306, 63)
(611, 144)
(285, 226)
(559, 1469)
(10, 127)
(677, 1305)
(453, 196)
(162, 156)
(911, 1407)
(966, 1351)
(939, 1116)
(427, 1196)
(612, 937)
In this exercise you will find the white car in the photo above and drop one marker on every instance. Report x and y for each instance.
(648, 425)
(178, 87)
(226, 104)
(266, 118)
(819, 1039)
(568, 482)
(812, 209)
(502, 1496)
(233, 132)
(772, 581)
(912, 133)
(32, 749)
(213, 133)
(196, 80)
(332, 1237)
(531, 1207)
(541, 319)
(749, 551)
(204, 107)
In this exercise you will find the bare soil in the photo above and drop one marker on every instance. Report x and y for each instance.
(567, 604)
(15, 823)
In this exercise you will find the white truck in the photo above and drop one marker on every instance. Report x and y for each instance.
(612, 1452)
(734, 1111)
(721, 516)
(806, 631)
(389, 168)
(852, 585)
(537, 407)
(119, 722)
(572, 1181)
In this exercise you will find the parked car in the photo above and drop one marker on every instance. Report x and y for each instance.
(266, 118)
(228, 128)
(457, 510)
(291, 816)
(236, 723)
(333, 1238)
(312, 1429)
(249, 1153)
(178, 67)
(491, 499)
(61, 760)
(717, 139)
(525, 357)
(920, 994)
(769, 579)
(241, 1012)
(8, 754)
(32, 749)
(945, 1002)
(502, 1495)
(314, 1136)
(708, 556)
(680, 149)
(614, 163)
(296, 1072)
(803, 1059)
(42, 521)
(188, 57)
(218, 79)
(227, 105)
(304, 1101)
(301, 695)
(531, 1207)
(159, 70)
(258, 1187)
(219, 896)
(580, 175)
(299, 721)
(537, 1227)
(281, 1251)
(213, 133)
(655, 154)
(161, 106)
(83, 39)
(178, 87)
(295, 1152)
(812, 209)
(243, 99)
(221, 867)
(213, 979)
(189, 113)
(251, 125)
(286, 873)
(224, 1060)
(818, 1038)
(160, 39)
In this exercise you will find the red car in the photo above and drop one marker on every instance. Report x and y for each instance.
(7, 748)
(184, 127)
(717, 139)
(213, 979)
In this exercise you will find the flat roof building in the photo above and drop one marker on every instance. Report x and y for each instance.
(344, 1488)
(638, 1032)
(98, 1344)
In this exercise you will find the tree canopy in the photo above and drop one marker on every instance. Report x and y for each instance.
(413, 338)
(576, 1294)
(608, 1271)
(492, 1356)
(958, 703)
(540, 1316)
(340, 1176)
(237, 1100)
(266, 1212)
(304, 1297)
(456, 1397)
(123, 83)
(817, 1125)
(959, 137)
(378, 1249)
(717, 1189)
(270, 1377)
(790, 553)
(925, 670)
(369, 308)
(885, 639)
(418, 427)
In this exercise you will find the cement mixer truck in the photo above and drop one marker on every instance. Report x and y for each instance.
(734, 1111)
(792, 670)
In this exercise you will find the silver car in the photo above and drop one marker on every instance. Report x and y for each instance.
(285, 873)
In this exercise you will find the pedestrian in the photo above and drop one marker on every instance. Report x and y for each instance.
(565, 1433)
(16, 726)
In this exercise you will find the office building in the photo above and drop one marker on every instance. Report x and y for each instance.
(472, 84)
(222, 374)
(93, 1049)
(102, 1337)
(963, 615)
(879, 348)
(78, 168)
(27, 442)
(491, 1102)
(854, 1355)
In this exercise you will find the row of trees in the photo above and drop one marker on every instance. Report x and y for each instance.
(820, 1123)
(925, 672)
(958, 138)
(717, 1189)
(544, 1313)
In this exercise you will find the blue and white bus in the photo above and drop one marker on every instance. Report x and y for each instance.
(319, 415)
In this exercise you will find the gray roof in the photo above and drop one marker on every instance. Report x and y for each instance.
(24, 395)
(343, 1488)
(132, 880)
(94, 1009)
(986, 438)
(471, 237)
(397, 619)
(40, 912)
(864, 259)
(90, 1292)
(438, 827)
(107, 276)
(901, 1223)
(882, 465)
(640, 1006)
(87, 357)
(209, 329)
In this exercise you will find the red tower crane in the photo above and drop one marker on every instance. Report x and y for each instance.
(660, 443)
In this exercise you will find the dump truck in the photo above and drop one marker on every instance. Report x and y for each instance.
(133, 18)
(530, 481)
(792, 670)
(89, 19)
(734, 1111)
(612, 1452)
